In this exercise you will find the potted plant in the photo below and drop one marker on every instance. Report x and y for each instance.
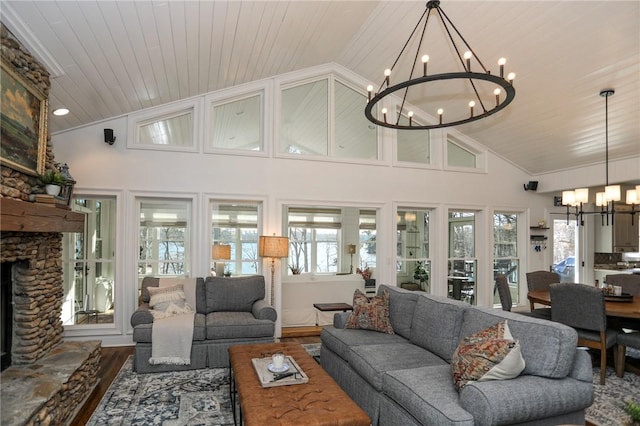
(53, 181)
(421, 274)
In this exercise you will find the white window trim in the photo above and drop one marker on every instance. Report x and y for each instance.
(135, 120)
(467, 144)
(264, 88)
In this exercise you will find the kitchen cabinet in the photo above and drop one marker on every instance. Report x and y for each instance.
(621, 237)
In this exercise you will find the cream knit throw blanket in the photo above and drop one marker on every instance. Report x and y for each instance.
(172, 332)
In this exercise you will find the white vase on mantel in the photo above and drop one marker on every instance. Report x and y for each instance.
(53, 189)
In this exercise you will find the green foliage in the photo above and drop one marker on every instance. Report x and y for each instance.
(51, 177)
(633, 410)
(420, 272)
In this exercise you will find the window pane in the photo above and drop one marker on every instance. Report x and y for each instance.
(459, 157)
(413, 266)
(163, 237)
(462, 263)
(89, 264)
(238, 124)
(354, 137)
(236, 225)
(413, 145)
(505, 252)
(304, 119)
(176, 130)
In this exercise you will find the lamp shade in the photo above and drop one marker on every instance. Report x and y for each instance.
(612, 192)
(221, 251)
(272, 246)
(351, 248)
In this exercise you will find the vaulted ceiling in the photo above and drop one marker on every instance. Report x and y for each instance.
(109, 58)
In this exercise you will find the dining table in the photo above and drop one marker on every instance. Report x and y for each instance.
(623, 308)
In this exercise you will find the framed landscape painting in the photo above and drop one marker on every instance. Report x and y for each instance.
(23, 123)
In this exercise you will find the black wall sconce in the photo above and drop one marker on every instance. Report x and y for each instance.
(108, 136)
(531, 186)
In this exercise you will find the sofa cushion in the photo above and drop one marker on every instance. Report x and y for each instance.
(155, 282)
(402, 304)
(142, 332)
(490, 354)
(370, 314)
(161, 297)
(340, 340)
(236, 294)
(237, 325)
(373, 361)
(548, 348)
(436, 324)
(428, 394)
(527, 399)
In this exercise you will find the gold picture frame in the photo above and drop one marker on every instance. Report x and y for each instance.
(23, 126)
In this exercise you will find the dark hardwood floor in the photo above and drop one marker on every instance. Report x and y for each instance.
(113, 359)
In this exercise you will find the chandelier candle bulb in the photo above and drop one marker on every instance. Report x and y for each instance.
(425, 60)
(468, 55)
(501, 62)
(511, 76)
(410, 114)
(384, 114)
(471, 105)
(497, 93)
(387, 73)
(369, 91)
(440, 112)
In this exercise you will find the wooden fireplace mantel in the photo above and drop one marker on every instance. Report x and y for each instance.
(23, 216)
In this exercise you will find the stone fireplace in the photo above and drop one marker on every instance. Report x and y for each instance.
(47, 379)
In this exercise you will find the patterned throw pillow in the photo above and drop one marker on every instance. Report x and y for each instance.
(370, 314)
(162, 297)
(490, 354)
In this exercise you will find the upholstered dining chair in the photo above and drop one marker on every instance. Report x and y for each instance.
(541, 280)
(630, 283)
(503, 291)
(583, 307)
(625, 340)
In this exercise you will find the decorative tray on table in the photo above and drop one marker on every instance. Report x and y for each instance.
(289, 374)
(624, 297)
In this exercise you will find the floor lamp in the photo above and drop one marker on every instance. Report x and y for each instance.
(220, 252)
(273, 247)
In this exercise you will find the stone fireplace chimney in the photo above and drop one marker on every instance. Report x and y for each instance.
(48, 379)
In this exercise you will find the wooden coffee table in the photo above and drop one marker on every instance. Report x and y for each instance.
(319, 402)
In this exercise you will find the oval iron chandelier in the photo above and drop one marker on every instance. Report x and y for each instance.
(479, 107)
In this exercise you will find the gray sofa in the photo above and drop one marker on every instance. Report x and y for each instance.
(406, 378)
(229, 311)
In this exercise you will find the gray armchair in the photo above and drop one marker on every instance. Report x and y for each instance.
(583, 308)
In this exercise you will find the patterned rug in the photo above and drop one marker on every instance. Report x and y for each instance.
(609, 400)
(201, 397)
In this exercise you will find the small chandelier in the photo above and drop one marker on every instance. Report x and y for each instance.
(483, 103)
(605, 200)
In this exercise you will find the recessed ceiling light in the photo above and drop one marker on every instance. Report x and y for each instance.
(60, 111)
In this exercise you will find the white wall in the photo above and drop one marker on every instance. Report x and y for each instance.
(101, 168)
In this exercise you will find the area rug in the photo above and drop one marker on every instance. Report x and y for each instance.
(610, 399)
(197, 397)
(201, 397)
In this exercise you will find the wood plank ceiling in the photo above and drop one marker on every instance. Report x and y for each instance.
(109, 58)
